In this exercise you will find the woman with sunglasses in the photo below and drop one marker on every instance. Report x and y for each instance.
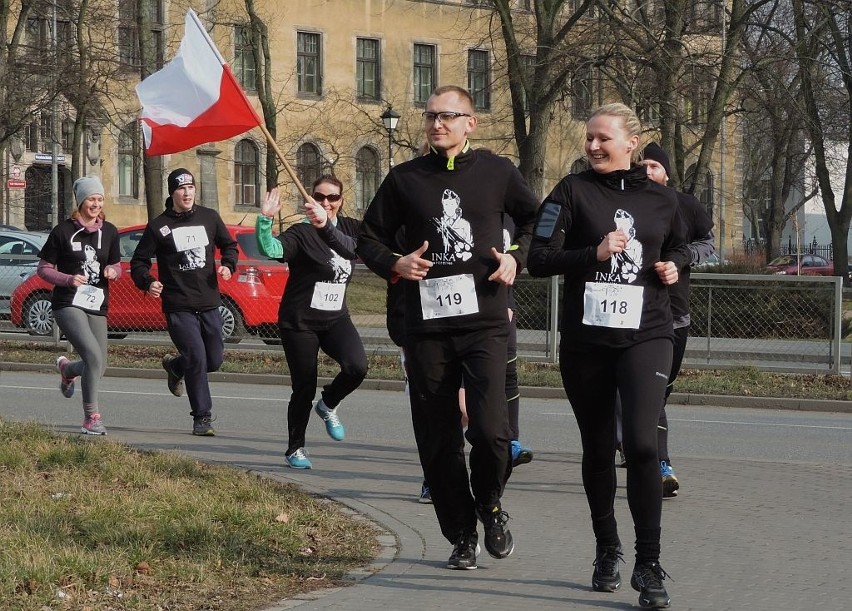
(313, 315)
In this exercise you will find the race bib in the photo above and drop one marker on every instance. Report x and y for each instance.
(187, 238)
(618, 306)
(449, 296)
(328, 296)
(88, 297)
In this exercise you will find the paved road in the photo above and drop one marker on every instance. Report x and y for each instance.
(762, 525)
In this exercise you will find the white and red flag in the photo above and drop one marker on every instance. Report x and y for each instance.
(194, 99)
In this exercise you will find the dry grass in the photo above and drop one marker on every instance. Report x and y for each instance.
(91, 524)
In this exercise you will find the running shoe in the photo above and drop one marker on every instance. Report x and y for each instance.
(299, 459)
(464, 552)
(93, 425)
(670, 483)
(498, 539)
(66, 385)
(202, 426)
(333, 425)
(520, 454)
(425, 494)
(648, 579)
(606, 577)
(173, 380)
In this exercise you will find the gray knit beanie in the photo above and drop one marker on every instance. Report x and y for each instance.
(86, 186)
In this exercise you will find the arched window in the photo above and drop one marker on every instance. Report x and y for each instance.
(706, 196)
(367, 176)
(246, 173)
(580, 165)
(308, 164)
(129, 158)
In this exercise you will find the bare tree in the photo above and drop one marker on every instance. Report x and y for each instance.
(824, 54)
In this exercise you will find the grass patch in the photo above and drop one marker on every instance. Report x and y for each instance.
(747, 381)
(92, 524)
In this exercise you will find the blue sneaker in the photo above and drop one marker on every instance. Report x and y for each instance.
(520, 454)
(299, 459)
(333, 425)
(670, 483)
(425, 494)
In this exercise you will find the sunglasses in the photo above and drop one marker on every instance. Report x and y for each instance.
(332, 197)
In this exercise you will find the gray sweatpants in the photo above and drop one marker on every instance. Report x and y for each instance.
(88, 335)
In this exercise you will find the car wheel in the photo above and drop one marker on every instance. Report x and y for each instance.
(38, 314)
(233, 328)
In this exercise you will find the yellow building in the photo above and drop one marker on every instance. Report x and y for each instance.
(337, 66)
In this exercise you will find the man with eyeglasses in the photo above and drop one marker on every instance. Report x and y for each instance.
(313, 315)
(451, 203)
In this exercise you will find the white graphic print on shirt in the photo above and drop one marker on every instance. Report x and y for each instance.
(454, 230)
(91, 266)
(625, 265)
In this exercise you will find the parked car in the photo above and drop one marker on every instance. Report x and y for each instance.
(18, 250)
(249, 299)
(811, 265)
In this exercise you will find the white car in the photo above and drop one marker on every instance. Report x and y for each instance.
(18, 261)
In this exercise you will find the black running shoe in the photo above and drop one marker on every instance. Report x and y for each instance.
(498, 539)
(173, 380)
(606, 577)
(464, 552)
(648, 581)
(203, 427)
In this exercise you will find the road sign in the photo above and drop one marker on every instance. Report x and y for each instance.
(16, 184)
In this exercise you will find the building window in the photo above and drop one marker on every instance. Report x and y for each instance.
(244, 67)
(45, 132)
(308, 65)
(308, 163)
(528, 75)
(706, 196)
(128, 34)
(583, 91)
(367, 176)
(31, 137)
(368, 69)
(246, 173)
(67, 135)
(424, 72)
(479, 78)
(129, 157)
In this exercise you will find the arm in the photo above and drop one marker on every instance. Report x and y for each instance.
(48, 272)
(338, 241)
(701, 249)
(112, 271)
(140, 263)
(227, 247)
(522, 205)
(548, 257)
(266, 243)
(378, 231)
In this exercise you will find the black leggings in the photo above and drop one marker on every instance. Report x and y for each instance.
(681, 335)
(592, 379)
(301, 348)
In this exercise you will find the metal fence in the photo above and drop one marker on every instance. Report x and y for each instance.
(782, 323)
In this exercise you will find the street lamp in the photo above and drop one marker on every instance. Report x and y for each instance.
(390, 119)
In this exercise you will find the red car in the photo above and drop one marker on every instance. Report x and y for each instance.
(811, 265)
(249, 299)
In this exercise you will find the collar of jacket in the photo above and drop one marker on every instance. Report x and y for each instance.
(457, 160)
(180, 215)
(624, 180)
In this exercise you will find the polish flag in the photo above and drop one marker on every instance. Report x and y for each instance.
(194, 99)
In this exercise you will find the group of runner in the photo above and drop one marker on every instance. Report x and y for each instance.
(449, 231)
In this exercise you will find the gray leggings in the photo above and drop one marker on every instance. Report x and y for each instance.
(88, 335)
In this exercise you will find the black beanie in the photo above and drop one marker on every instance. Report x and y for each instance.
(655, 151)
(179, 178)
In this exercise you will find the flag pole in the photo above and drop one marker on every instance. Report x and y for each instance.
(269, 139)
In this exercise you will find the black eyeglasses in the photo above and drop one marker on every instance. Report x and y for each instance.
(443, 117)
(332, 197)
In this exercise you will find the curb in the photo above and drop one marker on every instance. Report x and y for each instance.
(535, 392)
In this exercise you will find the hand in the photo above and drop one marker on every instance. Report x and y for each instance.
(79, 280)
(110, 273)
(412, 266)
(667, 271)
(224, 272)
(613, 243)
(317, 215)
(271, 204)
(155, 289)
(507, 268)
